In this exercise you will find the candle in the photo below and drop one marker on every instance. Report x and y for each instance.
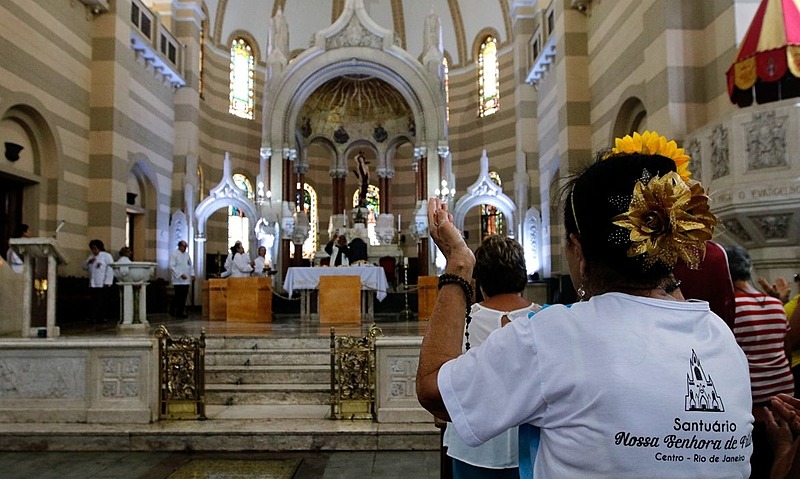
(405, 261)
(398, 222)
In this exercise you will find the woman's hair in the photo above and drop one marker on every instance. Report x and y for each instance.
(21, 229)
(97, 244)
(500, 266)
(603, 191)
(739, 263)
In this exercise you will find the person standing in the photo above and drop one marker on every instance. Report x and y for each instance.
(240, 264)
(182, 274)
(101, 277)
(260, 264)
(339, 251)
(13, 258)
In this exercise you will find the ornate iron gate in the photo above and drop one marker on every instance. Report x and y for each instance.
(353, 375)
(181, 382)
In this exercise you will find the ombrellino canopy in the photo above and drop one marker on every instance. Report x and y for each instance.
(768, 60)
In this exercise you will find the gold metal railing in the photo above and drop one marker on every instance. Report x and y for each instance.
(181, 370)
(353, 375)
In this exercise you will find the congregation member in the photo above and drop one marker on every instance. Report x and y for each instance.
(181, 275)
(240, 262)
(760, 328)
(101, 277)
(228, 266)
(501, 275)
(628, 382)
(14, 260)
(260, 265)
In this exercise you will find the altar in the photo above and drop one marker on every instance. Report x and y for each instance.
(307, 279)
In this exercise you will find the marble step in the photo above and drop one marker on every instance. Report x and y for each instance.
(284, 374)
(260, 342)
(220, 434)
(264, 357)
(267, 394)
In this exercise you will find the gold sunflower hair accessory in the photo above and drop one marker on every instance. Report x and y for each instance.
(651, 143)
(668, 219)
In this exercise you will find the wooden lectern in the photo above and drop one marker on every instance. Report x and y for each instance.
(215, 303)
(340, 300)
(41, 257)
(427, 291)
(250, 300)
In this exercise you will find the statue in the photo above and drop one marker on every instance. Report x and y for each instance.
(362, 173)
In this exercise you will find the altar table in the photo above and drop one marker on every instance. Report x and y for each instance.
(306, 279)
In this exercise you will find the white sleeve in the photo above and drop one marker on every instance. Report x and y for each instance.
(494, 386)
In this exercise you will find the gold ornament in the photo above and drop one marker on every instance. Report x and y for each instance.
(668, 219)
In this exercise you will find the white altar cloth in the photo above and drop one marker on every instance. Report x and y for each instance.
(302, 278)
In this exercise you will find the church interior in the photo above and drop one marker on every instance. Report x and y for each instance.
(143, 123)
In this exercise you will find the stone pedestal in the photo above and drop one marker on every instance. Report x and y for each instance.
(132, 278)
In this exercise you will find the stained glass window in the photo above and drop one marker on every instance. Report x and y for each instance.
(242, 95)
(310, 207)
(491, 217)
(373, 210)
(238, 223)
(489, 77)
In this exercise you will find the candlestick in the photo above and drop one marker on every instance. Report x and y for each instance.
(398, 222)
(405, 261)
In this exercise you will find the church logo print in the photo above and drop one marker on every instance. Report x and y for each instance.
(701, 394)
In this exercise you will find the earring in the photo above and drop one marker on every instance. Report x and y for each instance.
(581, 292)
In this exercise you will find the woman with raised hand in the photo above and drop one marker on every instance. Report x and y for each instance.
(628, 382)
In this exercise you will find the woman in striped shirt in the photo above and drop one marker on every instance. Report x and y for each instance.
(760, 328)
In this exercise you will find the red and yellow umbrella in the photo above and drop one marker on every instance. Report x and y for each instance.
(769, 56)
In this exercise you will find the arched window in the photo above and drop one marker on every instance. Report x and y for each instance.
(373, 210)
(446, 88)
(491, 217)
(310, 207)
(242, 97)
(488, 78)
(201, 65)
(238, 223)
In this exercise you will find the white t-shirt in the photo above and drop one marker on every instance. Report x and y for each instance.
(180, 263)
(621, 386)
(500, 451)
(100, 274)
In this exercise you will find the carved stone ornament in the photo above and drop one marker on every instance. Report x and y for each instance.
(695, 151)
(733, 226)
(773, 226)
(354, 35)
(766, 141)
(720, 163)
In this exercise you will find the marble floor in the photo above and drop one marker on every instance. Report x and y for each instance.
(160, 465)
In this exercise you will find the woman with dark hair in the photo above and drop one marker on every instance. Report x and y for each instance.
(628, 382)
(101, 277)
(501, 275)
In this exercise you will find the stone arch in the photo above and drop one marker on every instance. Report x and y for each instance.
(336, 51)
(143, 173)
(33, 119)
(225, 194)
(631, 116)
(484, 192)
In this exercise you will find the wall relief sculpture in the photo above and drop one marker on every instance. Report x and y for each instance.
(766, 141)
(354, 35)
(720, 163)
(734, 227)
(773, 226)
(694, 150)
